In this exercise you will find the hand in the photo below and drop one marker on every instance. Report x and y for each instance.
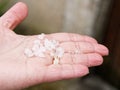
(18, 71)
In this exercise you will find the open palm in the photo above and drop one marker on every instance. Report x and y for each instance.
(18, 71)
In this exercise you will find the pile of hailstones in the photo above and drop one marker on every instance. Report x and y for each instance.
(42, 45)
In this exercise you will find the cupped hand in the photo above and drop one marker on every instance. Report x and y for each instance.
(18, 71)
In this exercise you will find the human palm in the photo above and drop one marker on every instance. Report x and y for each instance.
(19, 71)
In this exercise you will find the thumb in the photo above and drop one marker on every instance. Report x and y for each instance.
(14, 16)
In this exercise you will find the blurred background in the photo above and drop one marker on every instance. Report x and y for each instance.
(97, 18)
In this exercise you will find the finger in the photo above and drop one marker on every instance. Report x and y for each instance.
(59, 72)
(84, 47)
(88, 60)
(14, 16)
(63, 37)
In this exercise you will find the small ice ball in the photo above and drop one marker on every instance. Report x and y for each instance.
(37, 42)
(39, 53)
(41, 36)
(59, 52)
(28, 52)
(35, 47)
(56, 61)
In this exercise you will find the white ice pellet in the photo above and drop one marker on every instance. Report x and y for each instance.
(56, 61)
(41, 55)
(28, 52)
(37, 42)
(38, 53)
(42, 49)
(35, 47)
(41, 36)
(59, 52)
(56, 43)
(48, 44)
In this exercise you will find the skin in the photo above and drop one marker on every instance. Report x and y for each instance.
(18, 71)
